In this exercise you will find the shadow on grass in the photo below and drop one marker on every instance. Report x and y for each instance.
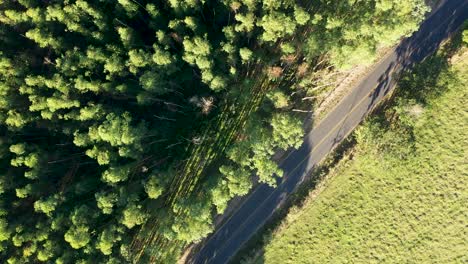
(425, 81)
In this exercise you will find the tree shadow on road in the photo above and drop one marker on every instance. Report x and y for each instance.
(419, 84)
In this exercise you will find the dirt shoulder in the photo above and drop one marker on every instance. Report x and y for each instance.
(346, 82)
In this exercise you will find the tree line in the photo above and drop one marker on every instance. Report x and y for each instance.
(100, 100)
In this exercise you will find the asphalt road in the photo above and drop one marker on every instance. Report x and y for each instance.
(262, 202)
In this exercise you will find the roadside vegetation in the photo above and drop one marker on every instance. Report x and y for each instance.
(126, 126)
(400, 194)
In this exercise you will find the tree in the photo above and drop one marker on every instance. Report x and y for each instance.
(24, 191)
(95, 95)
(154, 187)
(46, 206)
(351, 38)
(287, 48)
(196, 222)
(130, 7)
(247, 22)
(133, 215)
(301, 16)
(235, 182)
(46, 251)
(116, 174)
(5, 232)
(127, 36)
(245, 54)
(465, 37)
(138, 59)
(152, 81)
(106, 201)
(114, 65)
(44, 39)
(278, 98)
(91, 111)
(107, 239)
(266, 169)
(78, 236)
(287, 131)
(161, 57)
(275, 26)
(238, 180)
(220, 197)
(116, 130)
(197, 51)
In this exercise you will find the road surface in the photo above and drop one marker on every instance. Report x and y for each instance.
(262, 202)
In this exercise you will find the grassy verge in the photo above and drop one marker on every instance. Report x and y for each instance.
(401, 197)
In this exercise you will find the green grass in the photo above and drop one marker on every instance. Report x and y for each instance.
(402, 197)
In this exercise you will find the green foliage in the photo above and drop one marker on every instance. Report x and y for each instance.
(154, 187)
(46, 252)
(99, 100)
(138, 59)
(464, 33)
(18, 149)
(106, 201)
(47, 205)
(245, 54)
(107, 240)
(24, 191)
(301, 16)
(287, 48)
(133, 215)
(197, 224)
(246, 22)
(116, 130)
(78, 236)
(351, 33)
(235, 182)
(4, 230)
(116, 174)
(276, 25)
(266, 169)
(287, 131)
(197, 52)
(279, 99)
(256, 152)
(129, 6)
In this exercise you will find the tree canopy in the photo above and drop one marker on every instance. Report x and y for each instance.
(102, 104)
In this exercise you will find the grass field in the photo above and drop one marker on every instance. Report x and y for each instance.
(402, 196)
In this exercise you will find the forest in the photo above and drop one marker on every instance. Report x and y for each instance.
(127, 125)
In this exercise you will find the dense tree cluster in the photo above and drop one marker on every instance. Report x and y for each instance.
(100, 99)
(351, 31)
